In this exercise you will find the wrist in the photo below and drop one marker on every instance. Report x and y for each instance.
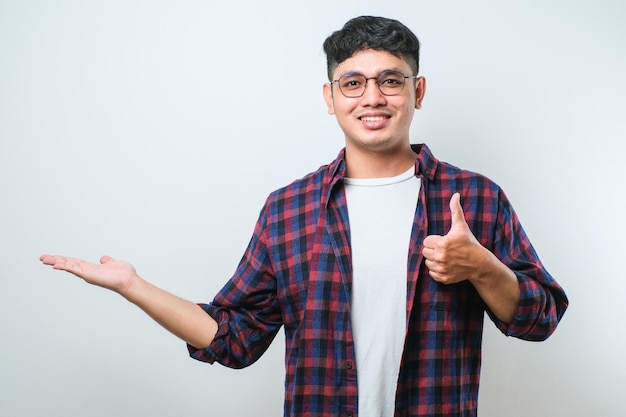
(133, 288)
(486, 269)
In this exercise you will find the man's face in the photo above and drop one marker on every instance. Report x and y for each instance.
(375, 122)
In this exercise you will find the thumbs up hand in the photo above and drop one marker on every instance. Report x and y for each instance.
(457, 255)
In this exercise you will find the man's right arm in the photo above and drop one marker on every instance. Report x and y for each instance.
(182, 318)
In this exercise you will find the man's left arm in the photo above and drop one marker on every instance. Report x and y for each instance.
(458, 256)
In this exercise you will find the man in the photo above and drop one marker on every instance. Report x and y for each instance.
(379, 265)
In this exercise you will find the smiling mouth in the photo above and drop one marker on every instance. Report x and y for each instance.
(373, 118)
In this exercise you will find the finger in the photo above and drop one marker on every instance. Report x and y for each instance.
(72, 265)
(432, 241)
(53, 260)
(428, 253)
(458, 219)
(106, 259)
(46, 259)
(64, 263)
(434, 272)
(432, 265)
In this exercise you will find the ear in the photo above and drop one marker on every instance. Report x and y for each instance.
(328, 98)
(420, 91)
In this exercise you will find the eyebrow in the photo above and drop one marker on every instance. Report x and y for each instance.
(351, 73)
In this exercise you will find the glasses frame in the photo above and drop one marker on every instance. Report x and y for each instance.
(406, 77)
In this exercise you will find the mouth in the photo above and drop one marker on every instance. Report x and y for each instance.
(374, 121)
(373, 118)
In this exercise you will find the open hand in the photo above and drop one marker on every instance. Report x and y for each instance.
(454, 257)
(111, 274)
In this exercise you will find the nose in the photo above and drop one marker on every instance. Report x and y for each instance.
(372, 95)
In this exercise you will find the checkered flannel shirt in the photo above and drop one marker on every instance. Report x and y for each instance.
(296, 273)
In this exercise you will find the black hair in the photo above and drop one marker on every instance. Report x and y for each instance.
(371, 32)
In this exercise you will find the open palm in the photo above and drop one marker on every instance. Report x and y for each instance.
(109, 273)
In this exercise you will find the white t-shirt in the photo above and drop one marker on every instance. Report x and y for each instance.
(381, 213)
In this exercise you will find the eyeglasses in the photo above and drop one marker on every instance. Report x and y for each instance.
(390, 83)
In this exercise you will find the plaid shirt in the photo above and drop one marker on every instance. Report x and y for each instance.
(296, 273)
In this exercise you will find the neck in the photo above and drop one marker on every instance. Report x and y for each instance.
(378, 164)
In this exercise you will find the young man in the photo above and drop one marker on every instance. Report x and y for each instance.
(379, 265)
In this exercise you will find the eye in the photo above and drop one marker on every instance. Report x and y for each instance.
(391, 79)
(351, 82)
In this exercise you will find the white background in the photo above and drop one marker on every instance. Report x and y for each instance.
(153, 131)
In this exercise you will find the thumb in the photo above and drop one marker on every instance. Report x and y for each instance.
(106, 259)
(458, 219)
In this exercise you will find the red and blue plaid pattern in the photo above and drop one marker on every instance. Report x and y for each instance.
(296, 273)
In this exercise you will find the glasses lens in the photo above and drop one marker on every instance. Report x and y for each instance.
(391, 83)
(352, 85)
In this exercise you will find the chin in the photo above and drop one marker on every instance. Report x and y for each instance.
(380, 144)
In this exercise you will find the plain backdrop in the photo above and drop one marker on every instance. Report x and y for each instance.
(152, 131)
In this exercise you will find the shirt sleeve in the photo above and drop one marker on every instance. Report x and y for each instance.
(542, 301)
(246, 309)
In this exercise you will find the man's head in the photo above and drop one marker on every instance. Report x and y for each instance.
(374, 88)
(369, 32)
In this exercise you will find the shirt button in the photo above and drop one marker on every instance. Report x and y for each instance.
(349, 414)
(349, 366)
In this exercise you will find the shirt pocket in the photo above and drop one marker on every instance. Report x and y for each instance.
(443, 315)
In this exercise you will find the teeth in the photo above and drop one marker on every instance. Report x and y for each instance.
(372, 119)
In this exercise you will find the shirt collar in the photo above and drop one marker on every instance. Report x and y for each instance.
(425, 163)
